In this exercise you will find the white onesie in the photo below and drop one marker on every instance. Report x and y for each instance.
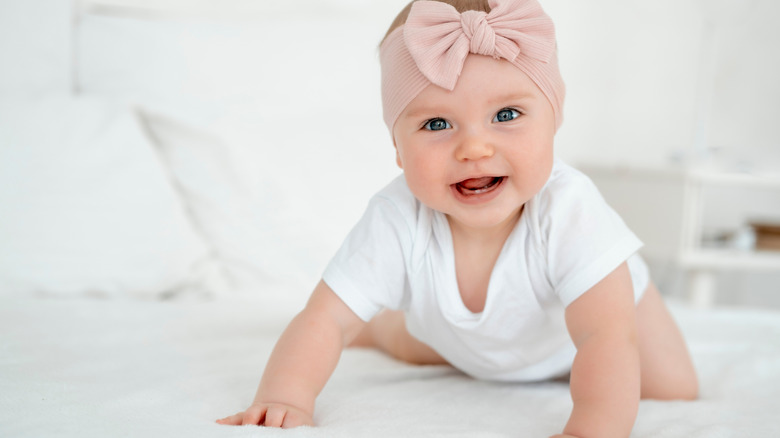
(400, 256)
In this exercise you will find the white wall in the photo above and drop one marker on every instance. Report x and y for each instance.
(650, 81)
(647, 83)
(679, 82)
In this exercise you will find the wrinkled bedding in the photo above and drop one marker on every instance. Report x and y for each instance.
(96, 368)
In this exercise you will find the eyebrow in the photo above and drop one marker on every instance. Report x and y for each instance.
(435, 111)
(511, 97)
(426, 111)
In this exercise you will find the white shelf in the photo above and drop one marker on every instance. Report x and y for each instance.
(665, 207)
(757, 180)
(678, 173)
(730, 259)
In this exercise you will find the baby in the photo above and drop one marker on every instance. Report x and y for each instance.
(488, 253)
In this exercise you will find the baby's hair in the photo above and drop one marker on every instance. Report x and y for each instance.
(460, 5)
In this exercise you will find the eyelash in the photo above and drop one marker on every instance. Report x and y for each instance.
(427, 125)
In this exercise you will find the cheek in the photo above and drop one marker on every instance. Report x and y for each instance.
(413, 160)
(422, 173)
(543, 159)
(418, 170)
(534, 159)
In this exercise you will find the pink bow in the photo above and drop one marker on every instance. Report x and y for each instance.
(439, 38)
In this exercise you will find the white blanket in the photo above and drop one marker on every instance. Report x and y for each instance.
(91, 368)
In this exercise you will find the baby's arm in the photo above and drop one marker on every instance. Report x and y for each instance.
(301, 363)
(605, 379)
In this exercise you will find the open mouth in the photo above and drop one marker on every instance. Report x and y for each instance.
(479, 186)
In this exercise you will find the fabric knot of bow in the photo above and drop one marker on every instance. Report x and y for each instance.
(481, 35)
(439, 38)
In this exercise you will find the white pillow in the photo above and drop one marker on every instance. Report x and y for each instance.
(256, 251)
(299, 147)
(317, 56)
(35, 47)
(85, 207)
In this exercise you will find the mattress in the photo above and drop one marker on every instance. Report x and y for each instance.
(95, 368)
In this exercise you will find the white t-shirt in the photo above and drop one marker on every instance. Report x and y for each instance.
(400, 256)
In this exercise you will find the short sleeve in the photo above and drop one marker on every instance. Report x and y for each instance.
(368, 272)
(585, 238)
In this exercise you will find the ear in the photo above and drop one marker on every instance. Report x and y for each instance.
(397, 156)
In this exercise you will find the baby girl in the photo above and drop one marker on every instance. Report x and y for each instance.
(487, 254)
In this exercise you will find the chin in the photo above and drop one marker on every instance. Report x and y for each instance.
(485, 219)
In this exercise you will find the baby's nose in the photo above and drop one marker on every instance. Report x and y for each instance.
(474, 148)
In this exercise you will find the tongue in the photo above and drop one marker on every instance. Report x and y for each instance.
(476, 183)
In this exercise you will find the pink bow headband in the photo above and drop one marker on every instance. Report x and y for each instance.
(431, 48)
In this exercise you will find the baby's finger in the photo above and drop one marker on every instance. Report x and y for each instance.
(294, 419)
(233, 420)
(274, 417)
(253, 415)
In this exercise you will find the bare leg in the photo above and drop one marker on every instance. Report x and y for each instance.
(667, 371)
(387, 332)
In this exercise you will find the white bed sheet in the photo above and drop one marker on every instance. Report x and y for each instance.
(92, 368)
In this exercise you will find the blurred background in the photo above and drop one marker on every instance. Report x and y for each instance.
(176, 149)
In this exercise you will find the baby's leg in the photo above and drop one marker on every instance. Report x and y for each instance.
(387, 332)
(666, 369)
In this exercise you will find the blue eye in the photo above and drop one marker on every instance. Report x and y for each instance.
(506, 115)
(437, 124)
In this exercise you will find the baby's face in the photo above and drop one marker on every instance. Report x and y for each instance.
(479, 152)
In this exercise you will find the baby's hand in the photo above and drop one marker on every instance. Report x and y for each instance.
(271, 415)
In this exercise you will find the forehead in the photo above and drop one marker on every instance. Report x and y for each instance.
(483, 79)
